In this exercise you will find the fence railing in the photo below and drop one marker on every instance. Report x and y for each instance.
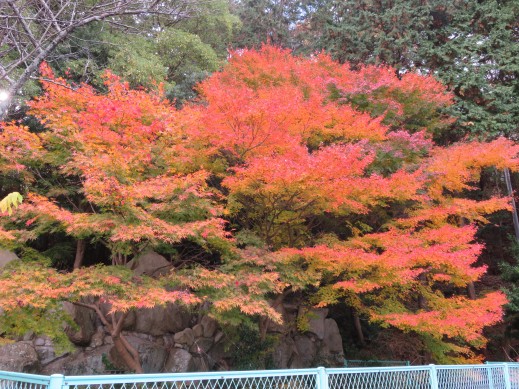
(373, 363)
(489, 376)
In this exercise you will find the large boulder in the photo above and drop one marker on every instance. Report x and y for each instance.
(201, 346)
(20, 357)
(6, 257)
(209, 325)
(150, 263)
(179, 361)
(185, 337)
(85, 320)
(316, 319)
(159, 321)
(283, 353)
(306, 350)
(332, 337)
(151, 354)
(90, 362)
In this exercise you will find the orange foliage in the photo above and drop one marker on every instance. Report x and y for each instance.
(331, 168)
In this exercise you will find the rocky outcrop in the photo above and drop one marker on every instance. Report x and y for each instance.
(6, 257)
(85, 320)
(82, 362)
(153, 355)
(150, 264)
(19, 356)
(169, 339)
(161, 320)
(179, 360)
(200, 346)
(319, 345)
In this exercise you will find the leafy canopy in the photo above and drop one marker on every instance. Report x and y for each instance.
(334, 173)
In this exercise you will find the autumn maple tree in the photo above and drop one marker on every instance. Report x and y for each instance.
(335, 175)
(112, 169)
(341, 169)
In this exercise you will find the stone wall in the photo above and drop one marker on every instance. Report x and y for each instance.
(170, 339)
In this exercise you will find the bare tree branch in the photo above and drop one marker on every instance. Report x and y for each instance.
(31, 30)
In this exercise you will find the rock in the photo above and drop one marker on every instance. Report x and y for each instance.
(150, 264)
(97, 338)
(150, 321)
(152, 355)
(81, 363)
(19, 357)
(201, 346)
(185, 337)
(279, 327)
(159, 340)
(85, 320)
(210, 326)
(332, 337)
(29, 336)
(168, 341)
(200, 364)
(198, 331)
(45, 349)
(217, 353)
(219, 336)
(283, 353)
(306, 352)
(6, 257)
(159, 321)
(39, 341)
(315, 319)
(179, 361)
(176, 319)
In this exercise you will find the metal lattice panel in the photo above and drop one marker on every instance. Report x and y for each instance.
(387, 379)
(514, 376)
(307, 381)
(484, 377)
(13, 384)
(9, 380)
(488, 376)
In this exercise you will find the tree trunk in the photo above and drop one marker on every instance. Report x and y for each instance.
(358, 328)
(471, 289)
(130, 360)
(80, 253)
(515, 218)
(127, 352)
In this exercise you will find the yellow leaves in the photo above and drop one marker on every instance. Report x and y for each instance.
(12, 200)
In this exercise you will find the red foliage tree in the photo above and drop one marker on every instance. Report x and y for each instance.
(340, 169)
(336, 171)
(115, 168)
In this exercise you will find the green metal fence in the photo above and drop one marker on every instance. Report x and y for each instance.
(489, 376)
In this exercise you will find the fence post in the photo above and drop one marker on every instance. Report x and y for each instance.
(322, 378)
(434, 376)
(506, 376)
(56, 381)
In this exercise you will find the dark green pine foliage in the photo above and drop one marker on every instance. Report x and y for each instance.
(476, 53)
(371, 31)
(472, 46)
(278, 22)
